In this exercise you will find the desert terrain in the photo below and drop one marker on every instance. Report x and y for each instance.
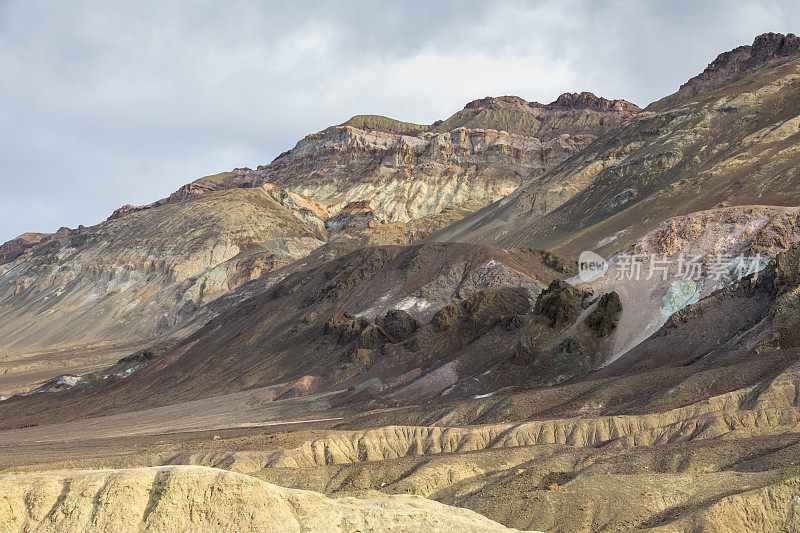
(390, 327)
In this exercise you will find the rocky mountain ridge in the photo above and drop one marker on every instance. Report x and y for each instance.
(587, 113)
(200, 186)
(767, 49)
(690, 152)
(405, 177)
(380, 160)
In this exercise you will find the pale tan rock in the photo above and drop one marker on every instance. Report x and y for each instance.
(405, 177)
(193, 498)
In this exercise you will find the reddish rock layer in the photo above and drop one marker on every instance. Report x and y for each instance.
(18, 246)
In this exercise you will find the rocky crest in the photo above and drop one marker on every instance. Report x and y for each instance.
(565, 102)
(19, 245)
(571, 113)
(689, 152)
(767, 49)
(408, 171)
(200, 186)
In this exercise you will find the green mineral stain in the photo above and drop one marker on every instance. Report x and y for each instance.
(679, 294)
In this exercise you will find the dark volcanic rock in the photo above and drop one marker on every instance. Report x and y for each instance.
(482, 310)
(345, 327)
(510, 323)
(371, 337)
(560, 302)
(568, 360)
(360, 356)
(526, 351)
(564, 361)
(18, 246)
(604, 318)
(398, 324)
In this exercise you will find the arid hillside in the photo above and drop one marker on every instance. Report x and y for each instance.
(80, 299)
(731, 145)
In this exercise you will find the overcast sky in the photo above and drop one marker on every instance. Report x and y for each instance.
(106, 103)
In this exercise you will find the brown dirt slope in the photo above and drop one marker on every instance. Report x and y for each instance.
(280, 336)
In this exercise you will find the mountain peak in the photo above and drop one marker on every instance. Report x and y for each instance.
(498, 102)
(767, 49)
(587, 100)
(566, 101)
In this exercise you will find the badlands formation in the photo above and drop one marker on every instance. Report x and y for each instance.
(389, 328)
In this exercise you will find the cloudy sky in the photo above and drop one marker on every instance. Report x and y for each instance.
(107, 103)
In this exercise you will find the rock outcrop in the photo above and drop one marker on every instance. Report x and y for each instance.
(199, 186)
(571, 113)
(353, 215)
(405, 177)
(604, 318)
(561, 302)
(407, 171)
(399, 325)
(345, 327)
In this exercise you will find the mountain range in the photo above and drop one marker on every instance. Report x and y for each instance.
(395, 319)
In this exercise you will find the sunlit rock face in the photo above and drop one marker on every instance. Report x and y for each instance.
(407, 171)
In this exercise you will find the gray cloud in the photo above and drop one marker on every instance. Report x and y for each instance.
(109, 103)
